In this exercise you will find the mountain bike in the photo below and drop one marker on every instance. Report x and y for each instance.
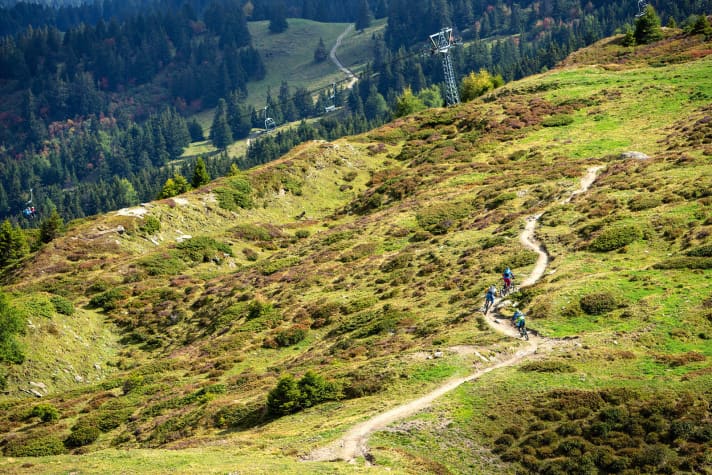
(523, 333)
(507, 289)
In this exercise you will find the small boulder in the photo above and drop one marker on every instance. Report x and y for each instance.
(634, 156)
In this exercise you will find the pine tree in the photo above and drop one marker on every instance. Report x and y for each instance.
(320, 53)
(364, 16)
(647, 27)
(220, 132)
(407, 103)
(51, 227)
(11, 323)
(13, 244)
(196, 131)
(278, 18)
(200, 174)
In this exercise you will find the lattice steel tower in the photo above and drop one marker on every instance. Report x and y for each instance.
(442, 42)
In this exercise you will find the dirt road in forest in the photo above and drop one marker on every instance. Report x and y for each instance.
(335, 59)
(354, 442)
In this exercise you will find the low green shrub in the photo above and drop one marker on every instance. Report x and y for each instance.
(37, 445)
(46, 412)
(81, 435)
(598, 303)
(701, 251)
(202, 249)
(364, 382)
(151, 225)
(558, 120)
(164, 263)
(644, 201)
(62, 305)
(250, 254)
(301, 233)
(276, 265)
(438, 219)
(235, 194)
(291, 336)
(548, 366)
(238, 416)
(291, 396)
(615, 238)
(399, 261)
(251, 232)
(685, 263)
(107, 300)
(499, 200)
(492, 241)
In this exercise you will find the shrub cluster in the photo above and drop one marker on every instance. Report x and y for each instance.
(202, 249)
(548, 366)
(238, 416)
(701, 251)
(290, 395)
(291, 336)
(251, 232)
(81, 435)
(610, 431)
(62, 305)
(558, 120)
(499, 200)
(46, 412)
(151, 225)
(35, 445)
(615, 238)
(107, 300)
(398, 261)
(438, 219)
(236, 194)
(598, 303)
(163, 264)
(644, 201)
(685, 263)
(276, 265)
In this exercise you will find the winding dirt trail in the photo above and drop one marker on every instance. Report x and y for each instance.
(355, 442)
(335, 59)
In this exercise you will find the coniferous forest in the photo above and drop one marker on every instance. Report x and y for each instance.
(98, 97)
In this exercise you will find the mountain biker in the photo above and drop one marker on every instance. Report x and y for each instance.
(489, 297)
(520, 322)
(507, 275)
(516, 316)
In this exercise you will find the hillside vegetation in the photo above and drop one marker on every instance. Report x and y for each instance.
(243, 325)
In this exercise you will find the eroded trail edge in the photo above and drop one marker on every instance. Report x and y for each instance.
(354, 442)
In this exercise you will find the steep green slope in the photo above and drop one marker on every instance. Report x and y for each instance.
(355, 260)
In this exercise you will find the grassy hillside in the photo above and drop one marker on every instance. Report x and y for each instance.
(289, 56)
(346, 264)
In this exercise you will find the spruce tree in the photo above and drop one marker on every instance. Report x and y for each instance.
(647, 27)
(51, 227)
(13, 244)
(220, 132)
(320, 53)
(196, 131)
(278, 18)
(364, 16)
(200, 174)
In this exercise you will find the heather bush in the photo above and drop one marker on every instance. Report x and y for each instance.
(615, 238)
(34, 445)
(598, 303)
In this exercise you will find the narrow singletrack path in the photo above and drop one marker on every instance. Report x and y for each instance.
(354, 442)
